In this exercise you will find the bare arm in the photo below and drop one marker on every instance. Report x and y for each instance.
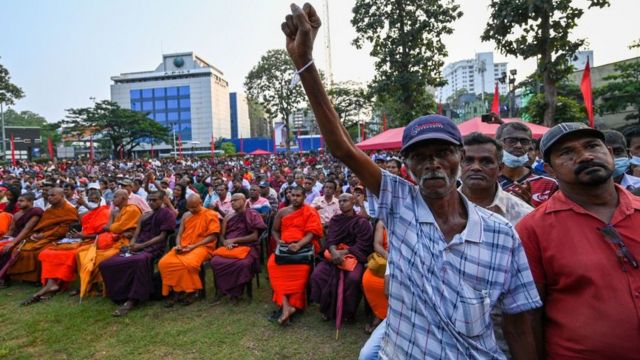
(27, 229)
(378, 239)
(519, 332)
(275, 231)
(300, 29)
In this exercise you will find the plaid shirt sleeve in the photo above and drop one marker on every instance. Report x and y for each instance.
(520, 292)
(393, 190)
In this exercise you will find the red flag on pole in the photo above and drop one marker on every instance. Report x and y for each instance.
(179, 147)
(121, 151)
(585, 88)
(152, 152)
(439, 109)
(91, 151)
(495, 107)
(299, 142)
(213, 146)
(362, 132)
(13, 151)
(50, 146)
(275, 146)
(384, 122)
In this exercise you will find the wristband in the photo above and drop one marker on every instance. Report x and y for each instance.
(295, 79)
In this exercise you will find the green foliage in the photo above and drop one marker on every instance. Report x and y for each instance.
(9, 92)
(539, 29)
(118, 126)
(268, 84)
(406, 39)
(622, 91)
(229, 148)
(350, 101)
(567, 110)
(257, 118)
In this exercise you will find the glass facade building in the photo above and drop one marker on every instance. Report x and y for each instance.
(170, 106)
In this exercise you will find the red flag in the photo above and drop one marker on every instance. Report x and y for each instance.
(91, 150)
(152, 152)
(121, 151)
(321, 142)
(13, 151)
(299, 142)
(439, 110)
(50, 146)
(495, 107)
(213, 147)
(179, 147)
(384, 122)
(362, 132)
(585, 88)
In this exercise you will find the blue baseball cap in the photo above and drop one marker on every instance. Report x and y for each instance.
(430, 127)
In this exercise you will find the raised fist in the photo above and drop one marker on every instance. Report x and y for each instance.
(301, 28)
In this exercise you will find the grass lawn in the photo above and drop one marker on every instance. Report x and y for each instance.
(61, 328)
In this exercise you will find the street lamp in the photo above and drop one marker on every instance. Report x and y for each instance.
(512, 91)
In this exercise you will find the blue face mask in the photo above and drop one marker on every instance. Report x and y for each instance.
(622, 164)
(513, 161)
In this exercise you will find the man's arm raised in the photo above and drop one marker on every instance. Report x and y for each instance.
(301, 28)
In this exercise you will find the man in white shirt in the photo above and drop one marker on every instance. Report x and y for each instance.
(327, 205)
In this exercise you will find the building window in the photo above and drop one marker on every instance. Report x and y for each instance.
(160, 104)
(172, 91)
(147, 106)
(147, 93)
(135, 94)
(184, 91)
(159, 92)
(170, 106)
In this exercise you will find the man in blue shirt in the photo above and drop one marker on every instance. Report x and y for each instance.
(450, 261)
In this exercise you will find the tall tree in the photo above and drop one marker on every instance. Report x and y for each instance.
(121, 127)
(9, 92)
(268, 84)
(257, 119)
(406, 39)
(622, 90)
(539, 29)
(351, 101)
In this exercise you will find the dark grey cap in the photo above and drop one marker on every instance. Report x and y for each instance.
(564, 129)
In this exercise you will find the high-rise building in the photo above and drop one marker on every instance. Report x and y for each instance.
(184, 93)
(240, 123)
(476, 75)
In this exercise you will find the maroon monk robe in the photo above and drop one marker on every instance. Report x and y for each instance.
(231, 275)
(356, 232)
(18, 226)
(131, 277)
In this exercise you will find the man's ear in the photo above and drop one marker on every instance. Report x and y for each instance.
(549, 169)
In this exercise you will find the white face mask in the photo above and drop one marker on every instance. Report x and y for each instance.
(513, 161)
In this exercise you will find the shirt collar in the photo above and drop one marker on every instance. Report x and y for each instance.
(474, 229)
(559, 201)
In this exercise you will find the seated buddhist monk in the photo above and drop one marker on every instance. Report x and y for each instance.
(349, 242)
(295, 226)
(58, 260)
(129, 278)
(109, 242)
(21, 225)
(373, 279)
(52, 226)
(237, 260)
(195, 243)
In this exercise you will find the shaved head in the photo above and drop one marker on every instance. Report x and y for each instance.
(120, 198)
(194, 203)
(238, 202)
(55, 196)
(346, 202)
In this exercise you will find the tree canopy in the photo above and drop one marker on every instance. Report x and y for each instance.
(351, 101)
(120, 127)
(406, 39)
(268, 84)
(622, 91)
(539, 29)
(9, 92)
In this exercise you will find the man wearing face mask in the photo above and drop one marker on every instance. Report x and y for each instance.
(616, 141)
(517, 177)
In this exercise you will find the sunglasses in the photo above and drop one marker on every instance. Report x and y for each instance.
(623, 253)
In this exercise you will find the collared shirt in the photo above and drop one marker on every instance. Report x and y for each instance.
(441, 294)
(510, 207)
(327, 209)
(224, 205)
(309, 197)
(542, 187)
(592, 306)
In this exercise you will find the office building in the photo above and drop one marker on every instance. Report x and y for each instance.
(239, 110)
(476, 75)
(184, 93)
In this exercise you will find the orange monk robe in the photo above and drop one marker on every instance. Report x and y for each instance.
(53, 225)
(88, 260)
(291, 280)
(373, 288)
(5, 222)
(59, 260)
(180, 272)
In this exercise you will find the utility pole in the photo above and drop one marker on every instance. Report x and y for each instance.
(327, 44)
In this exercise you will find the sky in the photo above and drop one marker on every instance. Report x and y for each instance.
(64, 52)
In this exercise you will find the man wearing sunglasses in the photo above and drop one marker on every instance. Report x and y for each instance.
(517, 177)
(583, 247)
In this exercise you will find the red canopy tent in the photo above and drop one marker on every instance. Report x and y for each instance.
(388, 140)
(392, 138)
(259, 152)
(476, 125)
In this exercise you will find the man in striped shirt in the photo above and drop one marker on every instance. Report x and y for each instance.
(450, 261)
